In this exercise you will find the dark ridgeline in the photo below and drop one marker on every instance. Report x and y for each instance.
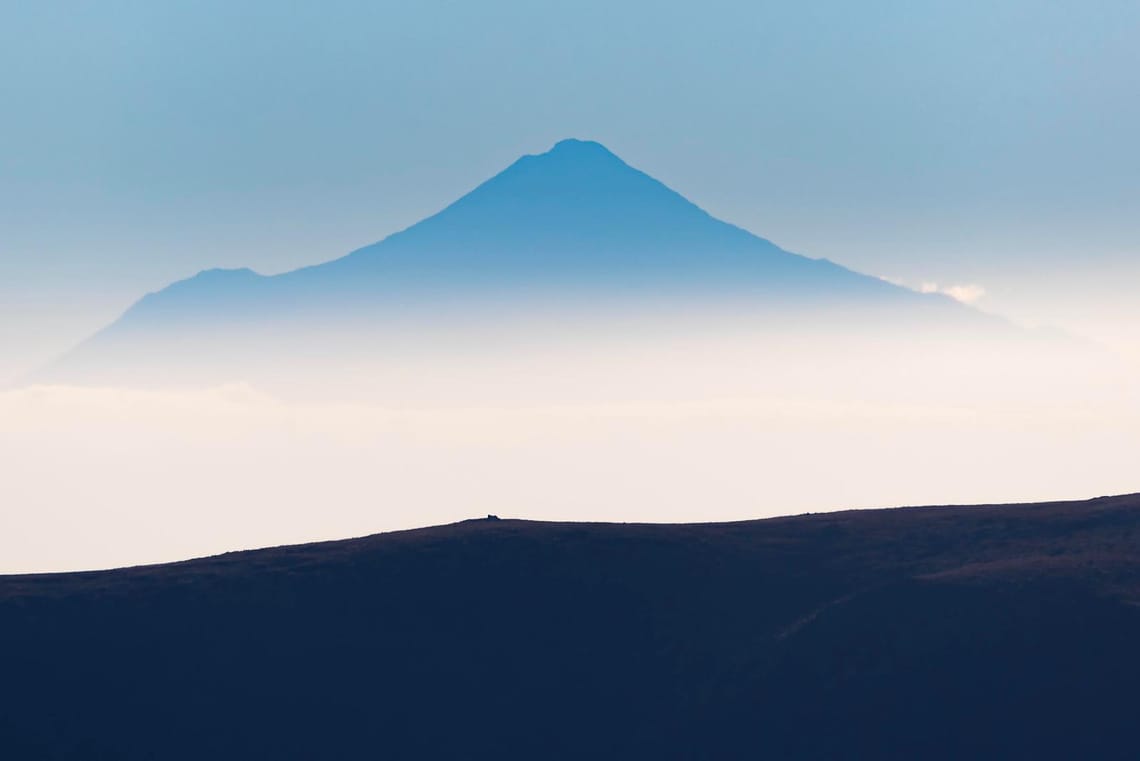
(999, 632)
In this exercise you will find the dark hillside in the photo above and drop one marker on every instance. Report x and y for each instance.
(1001, 632)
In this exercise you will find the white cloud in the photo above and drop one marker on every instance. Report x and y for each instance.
(967, 293)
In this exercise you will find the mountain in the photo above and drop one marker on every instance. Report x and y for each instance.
(569, 235)
(942, 632)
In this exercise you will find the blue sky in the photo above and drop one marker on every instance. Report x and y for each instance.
(983, 143)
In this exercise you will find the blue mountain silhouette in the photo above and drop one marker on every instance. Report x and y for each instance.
(575, 226)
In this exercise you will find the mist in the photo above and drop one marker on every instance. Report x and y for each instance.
(708, 427)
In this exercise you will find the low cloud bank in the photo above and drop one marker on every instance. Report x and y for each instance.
(107, 477)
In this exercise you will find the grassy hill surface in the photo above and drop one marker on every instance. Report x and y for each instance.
(943, 632)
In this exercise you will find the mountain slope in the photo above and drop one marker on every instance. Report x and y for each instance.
(993, 632)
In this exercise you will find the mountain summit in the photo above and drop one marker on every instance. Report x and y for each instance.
(576, 209)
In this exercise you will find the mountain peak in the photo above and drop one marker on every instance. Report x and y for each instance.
(578, 206)
(576, 156)
(579, 148)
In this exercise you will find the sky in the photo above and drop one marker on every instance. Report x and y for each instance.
(983, 149)
(987, 147)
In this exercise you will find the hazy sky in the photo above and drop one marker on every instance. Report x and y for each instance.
(985, 145)
(965, 143)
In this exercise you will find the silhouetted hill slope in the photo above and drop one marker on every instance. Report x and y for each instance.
(996, 632)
